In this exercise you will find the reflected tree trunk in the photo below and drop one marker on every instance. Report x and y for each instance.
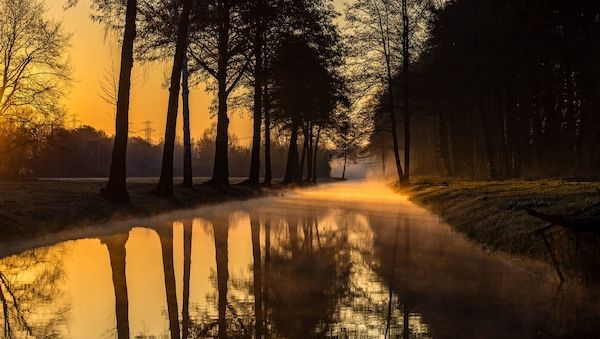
(405, 323)
(391, 281)
(166, 243)
(187, 266)
(266, 273)
(293, 229)
(117, 254)
(221, 232)
(257, 270)
(316, 223)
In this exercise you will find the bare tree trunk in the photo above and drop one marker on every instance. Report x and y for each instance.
(187, 142)
(309, 155)
(486, 136)
(383, 164)
(502, 125)
(116, 187)
(165, 183)
(258, 79)
(393, 123)
(268, 173)
(220, 175)
(443, 140)
(344, 170)
(314, 171)
(304, 149)
(293, 164)
(406, 84)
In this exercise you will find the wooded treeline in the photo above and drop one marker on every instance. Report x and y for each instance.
(504, 89)
(85, 152)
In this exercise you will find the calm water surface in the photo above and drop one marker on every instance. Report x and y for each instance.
(349, 260)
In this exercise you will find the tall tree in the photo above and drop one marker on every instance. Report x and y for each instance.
(405, 87)
(372, 29)
(258, 46)
(165, 184)
(116, 187)
(220, 50)
(187, 138)
(301, 87)
(34, 76)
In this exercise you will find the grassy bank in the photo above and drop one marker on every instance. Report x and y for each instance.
(493, 213)
(32, 208)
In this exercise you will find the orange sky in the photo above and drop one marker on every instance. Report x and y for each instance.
(93, 55)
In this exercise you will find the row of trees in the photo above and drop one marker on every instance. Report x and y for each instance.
(237, 47)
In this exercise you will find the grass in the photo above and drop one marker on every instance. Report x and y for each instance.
(32, 208)
(493, 213)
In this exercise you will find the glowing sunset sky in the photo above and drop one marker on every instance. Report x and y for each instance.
(93, 54)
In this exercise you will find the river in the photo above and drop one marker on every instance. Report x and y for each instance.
(345, 260)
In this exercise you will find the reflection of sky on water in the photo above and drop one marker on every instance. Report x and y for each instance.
(330, 258)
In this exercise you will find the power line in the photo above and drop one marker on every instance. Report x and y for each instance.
(75, 122)
(148, 130)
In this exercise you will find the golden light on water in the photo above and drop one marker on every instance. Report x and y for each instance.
(367, 191)
(336, 254)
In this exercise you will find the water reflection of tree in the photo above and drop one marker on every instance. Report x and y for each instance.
(304, 282)
(187, 266)
(166, 243)
(28, 283)
(117, 254)
(233, 316)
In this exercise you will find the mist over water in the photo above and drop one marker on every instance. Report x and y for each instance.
(351, 259)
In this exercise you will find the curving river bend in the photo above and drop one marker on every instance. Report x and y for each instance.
(346, 260)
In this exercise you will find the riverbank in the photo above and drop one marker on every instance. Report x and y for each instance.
(493, 213)
(34, 208)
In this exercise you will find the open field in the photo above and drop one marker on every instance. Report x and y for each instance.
(493, 213)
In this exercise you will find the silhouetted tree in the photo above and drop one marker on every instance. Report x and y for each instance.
(34, 74)
(116, 187)
(220, 50)
(165, 184)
